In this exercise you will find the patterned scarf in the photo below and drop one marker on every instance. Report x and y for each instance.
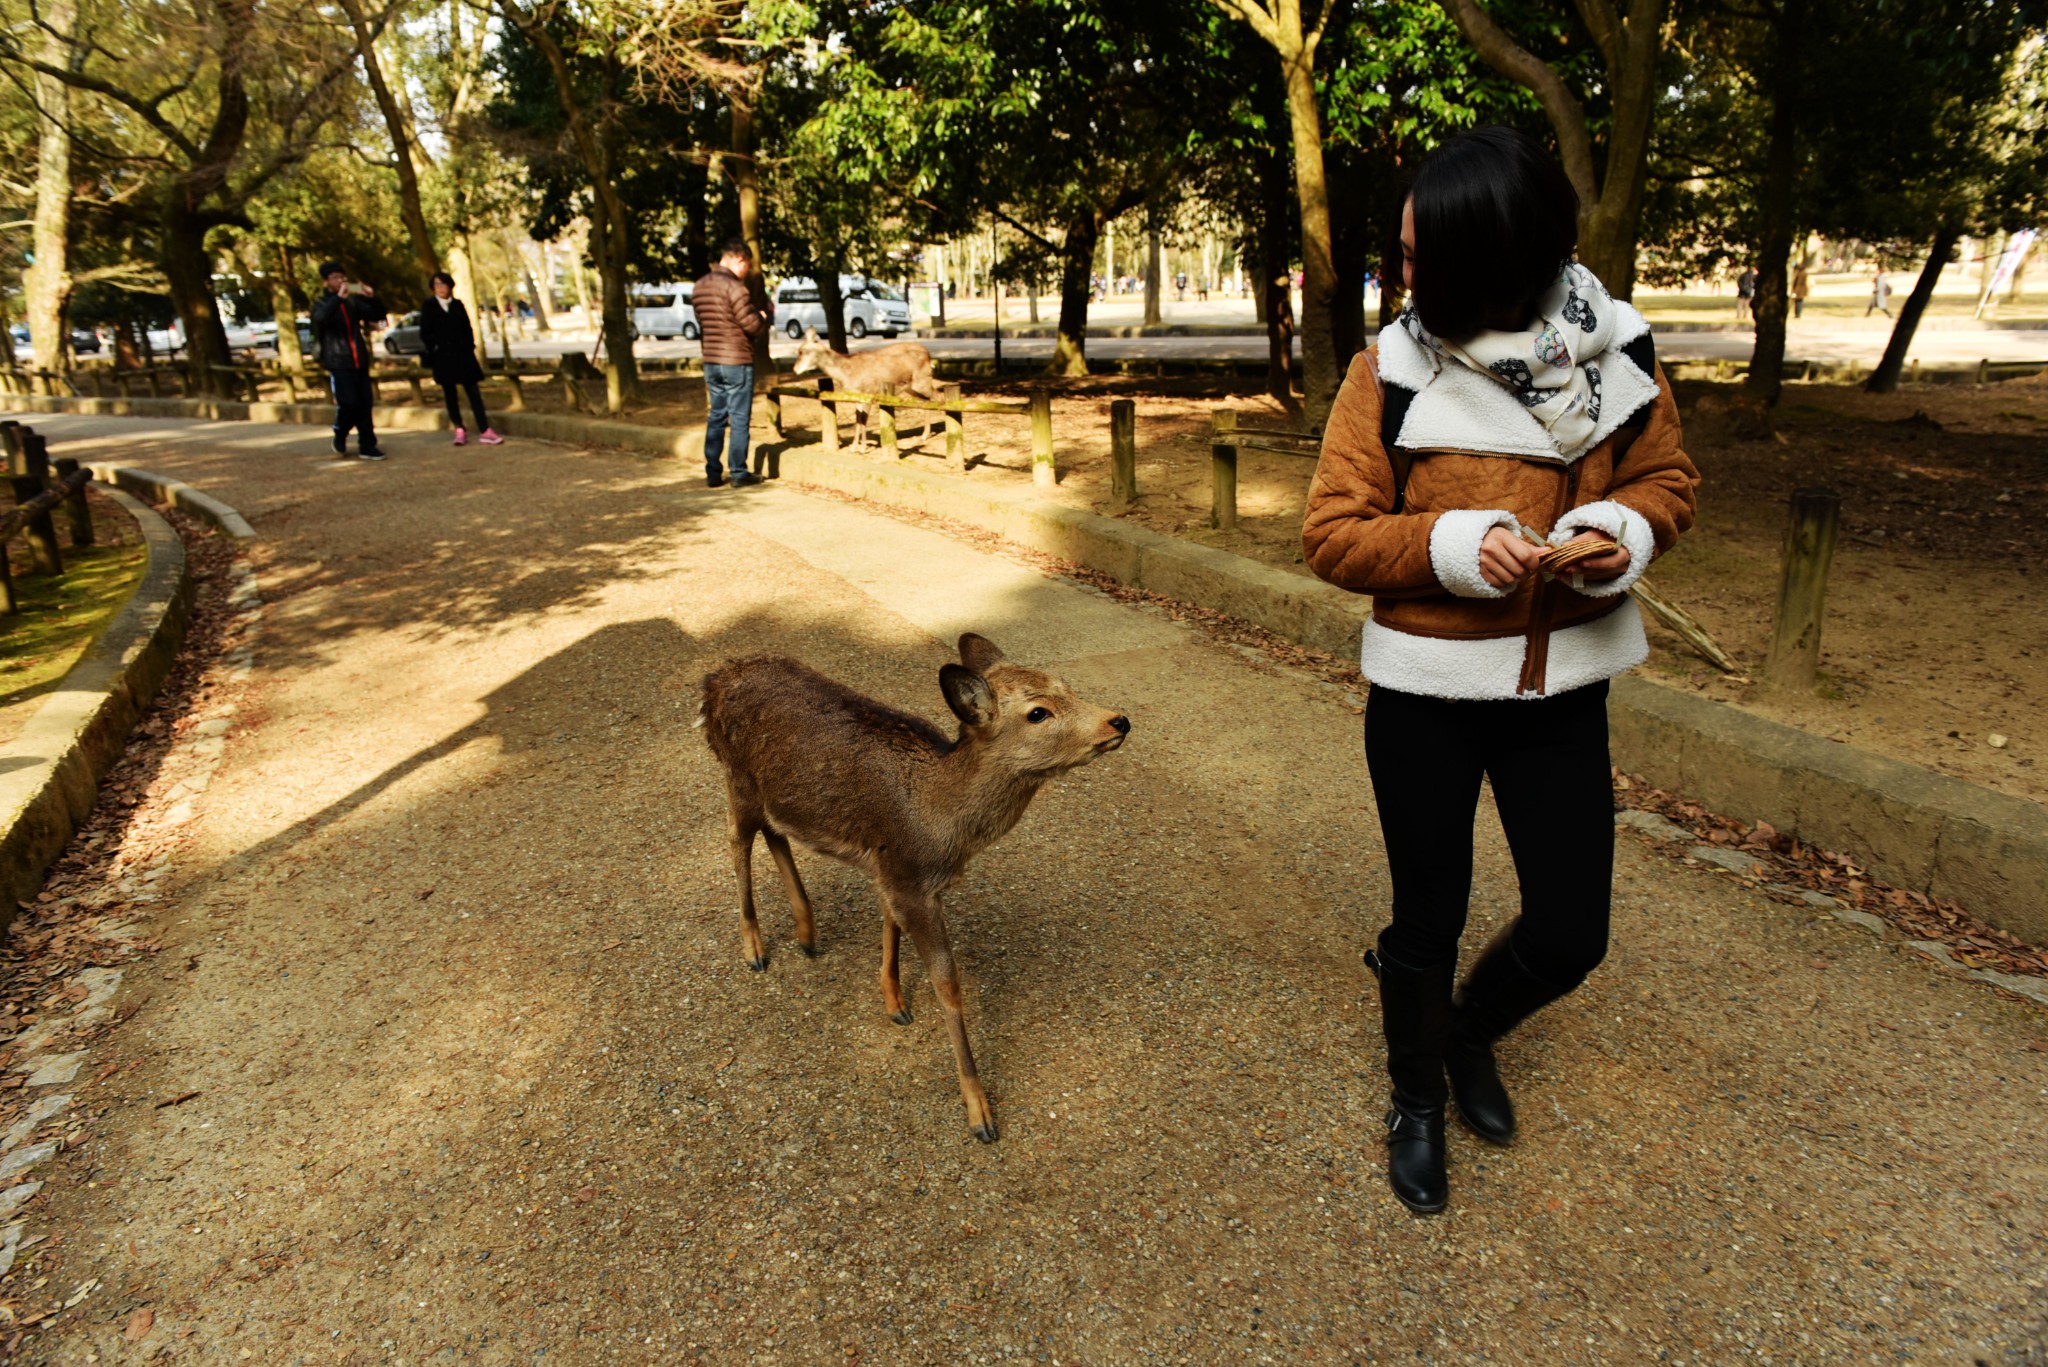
(1552, 365)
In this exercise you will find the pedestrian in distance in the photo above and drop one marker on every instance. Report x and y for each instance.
(1800, 289)
(449, 344)
(341, 316)
(1497, 472)
(729, 318)
(1880, 294)
(1745, 294)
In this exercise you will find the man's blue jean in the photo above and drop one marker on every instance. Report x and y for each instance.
(730, 389)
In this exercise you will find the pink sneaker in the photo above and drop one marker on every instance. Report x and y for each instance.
(491, 438)
(461, 437)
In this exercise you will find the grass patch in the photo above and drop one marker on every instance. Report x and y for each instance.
(61, 615)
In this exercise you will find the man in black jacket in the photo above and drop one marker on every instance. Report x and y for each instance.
(344, 348)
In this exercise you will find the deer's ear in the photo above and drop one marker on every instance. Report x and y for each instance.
(968, 694)
(979, 652)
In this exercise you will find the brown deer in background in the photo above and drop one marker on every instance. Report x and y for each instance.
(884, 370)
(810, 760)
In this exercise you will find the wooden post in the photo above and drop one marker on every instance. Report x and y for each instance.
(956, 430)
(775, 413)
(291, 386)
(10, 439)
(1123, 454)
(1043, 469)
(828, 416)
(517, 403)
(40, 532)
(1794, 659)
(76, 510)
(156, 390)
(1223, 470)
(419, 395)
(885, 415)
(8, 603)
(1984, 371)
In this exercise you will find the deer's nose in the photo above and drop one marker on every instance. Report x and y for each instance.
(1120, 725)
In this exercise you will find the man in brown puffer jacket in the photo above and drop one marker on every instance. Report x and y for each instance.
(728, 321)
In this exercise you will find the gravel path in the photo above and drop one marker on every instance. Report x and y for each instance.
(452, 963)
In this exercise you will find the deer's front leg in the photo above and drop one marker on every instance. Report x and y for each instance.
(793, 884)
(926, 923)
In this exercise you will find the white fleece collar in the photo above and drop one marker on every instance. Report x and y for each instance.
(1458, 409)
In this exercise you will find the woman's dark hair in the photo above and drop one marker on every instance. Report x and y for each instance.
(328, 268)
(440, 278)
(1495, 220)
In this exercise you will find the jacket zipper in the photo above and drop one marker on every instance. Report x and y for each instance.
(1536, 660)
(349, 326)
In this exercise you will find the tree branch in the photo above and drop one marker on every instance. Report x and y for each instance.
(1567, 116)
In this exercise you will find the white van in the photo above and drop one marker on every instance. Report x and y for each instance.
(871, 306)
(664, 311)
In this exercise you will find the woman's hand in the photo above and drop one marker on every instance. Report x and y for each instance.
(1599, 567)
(1505, 559)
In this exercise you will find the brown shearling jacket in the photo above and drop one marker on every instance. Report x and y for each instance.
(1354, 537)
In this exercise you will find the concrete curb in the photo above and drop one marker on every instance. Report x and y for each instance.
(162, 489)
(75, 736)
(1908, 825)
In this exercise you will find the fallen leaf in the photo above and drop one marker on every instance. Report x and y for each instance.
(139, 1324)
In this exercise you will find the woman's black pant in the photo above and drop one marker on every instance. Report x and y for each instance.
(476, 403)
(1547, 760)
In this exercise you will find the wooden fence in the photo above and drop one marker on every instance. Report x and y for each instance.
(1037, 408)
(37, 497)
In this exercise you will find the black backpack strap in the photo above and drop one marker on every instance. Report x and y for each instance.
(1393, 412)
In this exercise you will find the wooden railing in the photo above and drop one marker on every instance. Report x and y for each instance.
(1226, 438)
(37, 496)
(1038, 408)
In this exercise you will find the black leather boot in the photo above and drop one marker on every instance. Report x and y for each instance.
(1499, 994)
(1415, 1010)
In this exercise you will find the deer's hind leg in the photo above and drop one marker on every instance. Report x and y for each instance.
(921, 917)
(892, 979)
(793, 884)
(745, 820)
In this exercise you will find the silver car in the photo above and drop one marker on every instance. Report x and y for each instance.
(871, 306)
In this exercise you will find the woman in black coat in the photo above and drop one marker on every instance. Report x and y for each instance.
(450, 345)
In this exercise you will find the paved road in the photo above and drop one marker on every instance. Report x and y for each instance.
(452, 966)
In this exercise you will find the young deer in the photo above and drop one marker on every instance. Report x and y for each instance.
(811, 760)
(885, 370)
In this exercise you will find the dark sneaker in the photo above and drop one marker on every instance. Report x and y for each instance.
(744, 478)
(341, 446)
(373, 453)
(714, 479)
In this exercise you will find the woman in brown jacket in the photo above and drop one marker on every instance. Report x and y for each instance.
(1513, 407)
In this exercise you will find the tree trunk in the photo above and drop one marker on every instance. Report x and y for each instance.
(189, 273)
(1031, 286)
(1153, 271)
(1319, 373)
(746, 181)
(409, 209)
(1276, 309)
(1885, 379)
(48, 281)
(1077, 264)
(696, 194)
(463, 267)
(1772, 304)
(536, 291)
(833, 302)
(284, 308)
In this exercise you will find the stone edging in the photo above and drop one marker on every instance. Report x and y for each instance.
(72, 739)
(1913, 827)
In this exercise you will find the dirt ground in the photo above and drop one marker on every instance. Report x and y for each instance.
(436, 1045)
(1935, 640)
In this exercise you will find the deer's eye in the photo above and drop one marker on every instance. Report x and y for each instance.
(1038, 714)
